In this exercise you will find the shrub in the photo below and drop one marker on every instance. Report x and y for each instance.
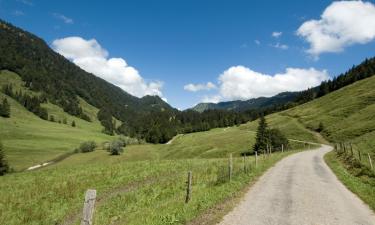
(320, 127)
(88, 146)
(116, 147)
(4, 168)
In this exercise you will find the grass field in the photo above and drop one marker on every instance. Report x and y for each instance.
(128, 192)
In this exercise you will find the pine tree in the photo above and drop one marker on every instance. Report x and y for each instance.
(4, 168)
(5, 108)
(262, 136)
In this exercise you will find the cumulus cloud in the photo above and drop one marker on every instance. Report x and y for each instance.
(200, 87)
(342, 24)
(90, 56)
(242, 83)
(64, 18)
(276, 34)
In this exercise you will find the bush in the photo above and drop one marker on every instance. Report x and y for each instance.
(116, 147)
(320, 127)
(88, 146)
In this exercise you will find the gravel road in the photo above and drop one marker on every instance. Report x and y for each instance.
(300, 190)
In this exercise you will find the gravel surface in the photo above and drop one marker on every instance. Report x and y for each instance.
(300, 190)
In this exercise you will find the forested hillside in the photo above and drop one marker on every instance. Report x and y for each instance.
(251, 104)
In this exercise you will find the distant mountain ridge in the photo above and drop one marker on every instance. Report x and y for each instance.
(254, 103)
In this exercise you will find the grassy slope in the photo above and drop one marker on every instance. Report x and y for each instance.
(348, 115)
(29, 140)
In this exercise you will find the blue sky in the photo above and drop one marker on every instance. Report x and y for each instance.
(173, 43)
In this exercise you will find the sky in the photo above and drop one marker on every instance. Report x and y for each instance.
(191, 51)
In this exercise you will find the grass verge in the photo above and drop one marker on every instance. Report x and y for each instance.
(363, 186)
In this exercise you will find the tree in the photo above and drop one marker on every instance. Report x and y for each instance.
(262, 139)
(277, 139)
(73, 123)
(51, 118)
(5, 108)
(65, 121)
(4, 167)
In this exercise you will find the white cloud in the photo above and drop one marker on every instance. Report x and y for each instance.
(342, 24)
(257, 42)
(280, 46)
(276, 34)
(242, 83)
(90, 56)
(64, 18)
(200, 87)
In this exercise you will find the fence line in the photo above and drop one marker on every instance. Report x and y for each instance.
(90, 195)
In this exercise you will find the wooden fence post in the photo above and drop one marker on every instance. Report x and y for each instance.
(351, 149)
(244, 163)
(369, 159)
(230, 167)
(188, 189)
(88, 207)
(359, 155)
(282, 147)
(256, 159)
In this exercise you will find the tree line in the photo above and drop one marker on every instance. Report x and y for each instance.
(31, 103)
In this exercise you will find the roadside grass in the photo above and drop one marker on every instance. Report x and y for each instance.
(363, 185)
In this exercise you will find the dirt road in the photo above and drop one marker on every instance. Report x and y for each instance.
(300, 190)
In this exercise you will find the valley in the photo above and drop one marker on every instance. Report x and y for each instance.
(203, 123)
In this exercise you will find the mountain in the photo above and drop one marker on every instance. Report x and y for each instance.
(255, 103)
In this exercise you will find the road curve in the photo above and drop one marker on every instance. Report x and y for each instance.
(300, 190)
